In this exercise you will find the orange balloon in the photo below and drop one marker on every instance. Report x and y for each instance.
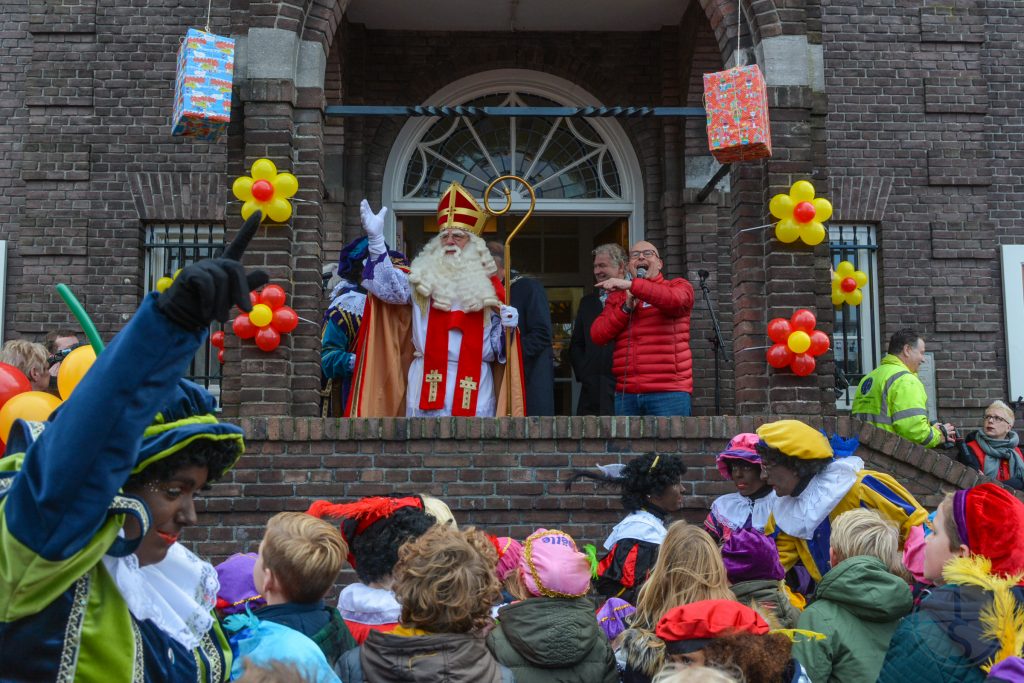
(73, 368)
(35, 406)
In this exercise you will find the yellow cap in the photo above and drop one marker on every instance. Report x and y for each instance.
(796, 439)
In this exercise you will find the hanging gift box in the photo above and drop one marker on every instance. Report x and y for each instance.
(202, 88)
(736, 102)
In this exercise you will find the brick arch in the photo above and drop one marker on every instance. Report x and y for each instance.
(313, 20)
(721, 15)
(319, 21)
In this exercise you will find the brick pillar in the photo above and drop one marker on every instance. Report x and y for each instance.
(284, 124)
(772, 279)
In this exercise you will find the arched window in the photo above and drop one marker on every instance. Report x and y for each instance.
(577, 166)
(562, 158)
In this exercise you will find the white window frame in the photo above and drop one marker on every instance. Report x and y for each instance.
(630, 204)
(861, 238)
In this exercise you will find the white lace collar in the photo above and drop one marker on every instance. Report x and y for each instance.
(360, 603)
(351, 301)
(733, 509)
(177, 594)
(800, 515)
(639, 525)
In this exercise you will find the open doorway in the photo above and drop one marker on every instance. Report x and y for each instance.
(553, 249)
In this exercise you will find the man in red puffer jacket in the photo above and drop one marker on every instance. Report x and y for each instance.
(648, 318)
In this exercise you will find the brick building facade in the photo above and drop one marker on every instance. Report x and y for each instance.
(905, 115)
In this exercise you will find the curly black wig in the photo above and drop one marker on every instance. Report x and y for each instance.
(376, 549)
(216, 455)
(648, 475)
(805, 469)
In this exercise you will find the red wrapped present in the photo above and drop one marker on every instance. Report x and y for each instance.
(737, 107)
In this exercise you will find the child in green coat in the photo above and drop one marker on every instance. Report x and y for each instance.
(858, 603)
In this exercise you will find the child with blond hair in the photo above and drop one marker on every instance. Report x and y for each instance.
(858, 603)
(300, 561)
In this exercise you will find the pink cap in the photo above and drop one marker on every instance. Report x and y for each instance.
(551, 566)
(510, 551)
(741, 447)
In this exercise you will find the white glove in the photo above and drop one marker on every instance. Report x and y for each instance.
(509, 316)
(373, 226)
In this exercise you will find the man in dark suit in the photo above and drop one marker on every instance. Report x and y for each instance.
(592, 364)
(531, 301)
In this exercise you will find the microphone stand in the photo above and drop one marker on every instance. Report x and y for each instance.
(717, 341)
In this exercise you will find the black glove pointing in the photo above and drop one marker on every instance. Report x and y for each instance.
(206, 290)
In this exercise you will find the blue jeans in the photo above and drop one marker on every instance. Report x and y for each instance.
(660, 403)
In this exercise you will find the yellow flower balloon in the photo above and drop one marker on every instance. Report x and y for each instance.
(266, 191)
(847, 285)
(801, 215)
(261, 315)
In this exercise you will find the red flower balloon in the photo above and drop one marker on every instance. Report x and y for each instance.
(243, 327)
(217, 339)
(796, 342)
(273, 296)
(285, 320)
(268, 320)
(267, 339)
(803, 365)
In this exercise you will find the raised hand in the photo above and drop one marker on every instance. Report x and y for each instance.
(206, 290)
(373, 226)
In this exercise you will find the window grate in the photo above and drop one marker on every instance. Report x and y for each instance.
(856, 339)
(169, 247)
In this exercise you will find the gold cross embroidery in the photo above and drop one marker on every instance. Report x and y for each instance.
(433, 379)
(467, 385)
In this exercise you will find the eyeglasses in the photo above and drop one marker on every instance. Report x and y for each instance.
(646, 253)
(997, 418)
(62, 354)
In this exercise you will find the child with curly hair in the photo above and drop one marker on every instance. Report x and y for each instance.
(652, 490)
(445, 583)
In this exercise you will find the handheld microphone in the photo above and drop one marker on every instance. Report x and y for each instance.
(641, 273)
(703, 274)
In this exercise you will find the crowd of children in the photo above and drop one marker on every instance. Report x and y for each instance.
(822, 585)
(815, 570)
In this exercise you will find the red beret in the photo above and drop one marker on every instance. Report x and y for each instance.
(688, 628)
(992, 520)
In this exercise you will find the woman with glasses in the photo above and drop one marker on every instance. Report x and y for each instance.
(994, 450)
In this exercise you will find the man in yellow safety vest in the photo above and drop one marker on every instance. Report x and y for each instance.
(892, 398)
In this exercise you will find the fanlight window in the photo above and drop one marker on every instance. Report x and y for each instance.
(563, 158)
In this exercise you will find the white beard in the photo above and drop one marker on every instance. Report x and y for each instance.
(460, 280)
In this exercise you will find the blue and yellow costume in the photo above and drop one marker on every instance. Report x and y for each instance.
(801, 524)
(62, 615)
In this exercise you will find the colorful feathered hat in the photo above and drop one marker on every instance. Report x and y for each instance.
(458, 210)
(691, 627)
(741, 447)
(796, 439)
(360, 515)
(990, 521)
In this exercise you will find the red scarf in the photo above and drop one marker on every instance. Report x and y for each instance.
(435, 361)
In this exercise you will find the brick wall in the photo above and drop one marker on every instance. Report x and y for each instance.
(84, 107)
(505, 476)
(920, 97)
